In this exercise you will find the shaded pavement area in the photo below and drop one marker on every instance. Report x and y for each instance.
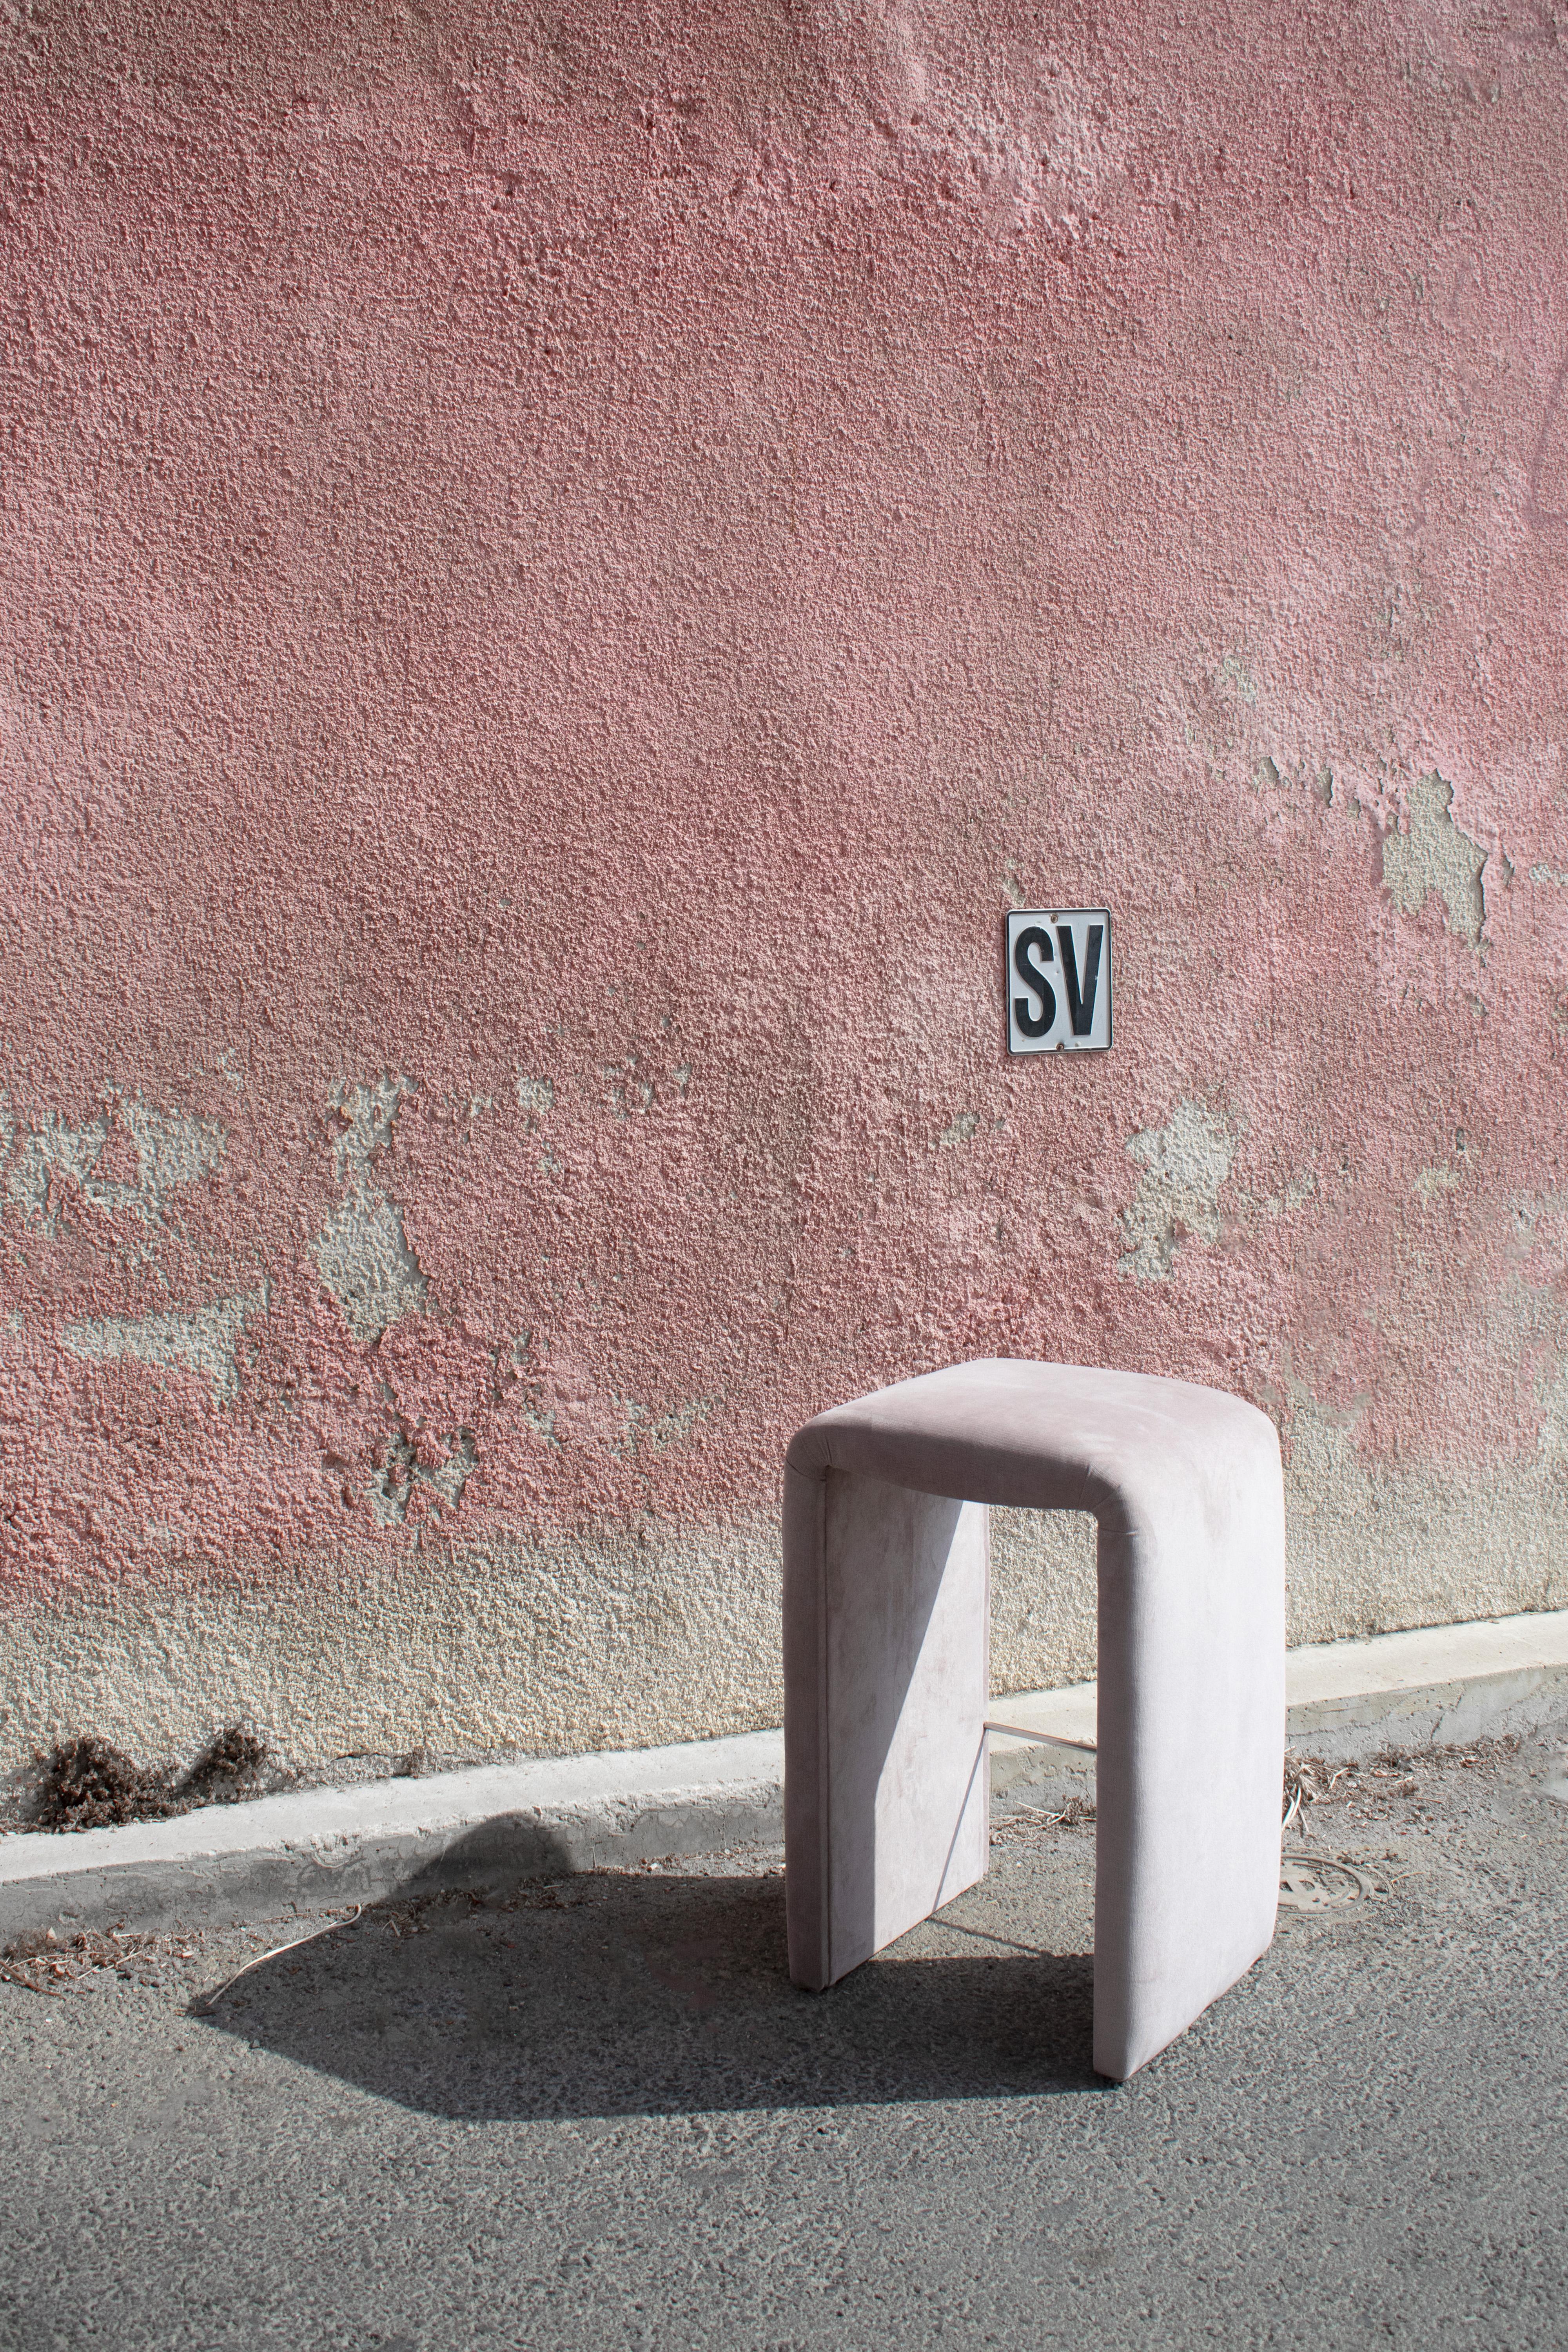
(598, 2113)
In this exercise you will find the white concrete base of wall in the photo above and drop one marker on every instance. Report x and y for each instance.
(487, 1828)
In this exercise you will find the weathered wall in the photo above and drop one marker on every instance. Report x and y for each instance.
(561, 570)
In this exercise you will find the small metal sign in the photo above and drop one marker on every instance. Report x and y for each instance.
(1058, 980)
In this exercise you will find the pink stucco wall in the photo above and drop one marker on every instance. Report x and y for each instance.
(561, 571)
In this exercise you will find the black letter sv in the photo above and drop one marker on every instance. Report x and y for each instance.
(1080, 1009)
(1034, 979)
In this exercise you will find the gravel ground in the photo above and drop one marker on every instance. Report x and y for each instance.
(599, 2115)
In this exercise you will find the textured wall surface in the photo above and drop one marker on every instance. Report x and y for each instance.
(561, 570)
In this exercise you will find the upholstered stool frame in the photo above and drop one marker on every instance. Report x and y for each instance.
(887, 1670)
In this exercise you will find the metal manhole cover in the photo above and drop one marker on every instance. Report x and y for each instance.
(1314, 1882)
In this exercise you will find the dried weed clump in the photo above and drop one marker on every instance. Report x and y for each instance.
(45, 1962)
(87, 1784)
(1309, 1781)
(1025, 1823)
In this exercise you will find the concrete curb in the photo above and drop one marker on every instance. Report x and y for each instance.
(1438, 1687)
(482, 1828)
(485, 1828)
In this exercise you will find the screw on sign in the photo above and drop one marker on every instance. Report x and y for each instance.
(1058, 980)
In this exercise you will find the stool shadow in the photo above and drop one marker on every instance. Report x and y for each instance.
(619, 1994)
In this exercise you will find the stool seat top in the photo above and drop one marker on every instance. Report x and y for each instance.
(1045, 1437)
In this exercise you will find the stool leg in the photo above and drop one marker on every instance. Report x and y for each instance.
(1192, 1740)
(886, 1678)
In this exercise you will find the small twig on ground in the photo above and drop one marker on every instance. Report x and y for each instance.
(206, 2008)
(1024, 1820)
(15, 1975)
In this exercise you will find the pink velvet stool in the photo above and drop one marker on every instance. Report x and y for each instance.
(887, 1670)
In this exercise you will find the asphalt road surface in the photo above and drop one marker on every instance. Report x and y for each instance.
(600, 2115)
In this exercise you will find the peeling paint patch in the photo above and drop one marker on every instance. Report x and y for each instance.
(1298, 1191)
(1298, 776)
(53, 1150)
(1433, 1180)
(629, 1095)
(1034, 158)
(403, 1474)
(1552, 873)
(646, 1437)
(366, 1264)
(532, 1415)
(961, 1131)
(1432, 853)
(173, 1150)
(363, 1119)
(203, 1341)
(1233, 672)
(535, 1095)
(533, 1411)
(362, 1251)
(1185, 1164)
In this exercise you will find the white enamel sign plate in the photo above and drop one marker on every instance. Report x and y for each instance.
(1058, 980)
